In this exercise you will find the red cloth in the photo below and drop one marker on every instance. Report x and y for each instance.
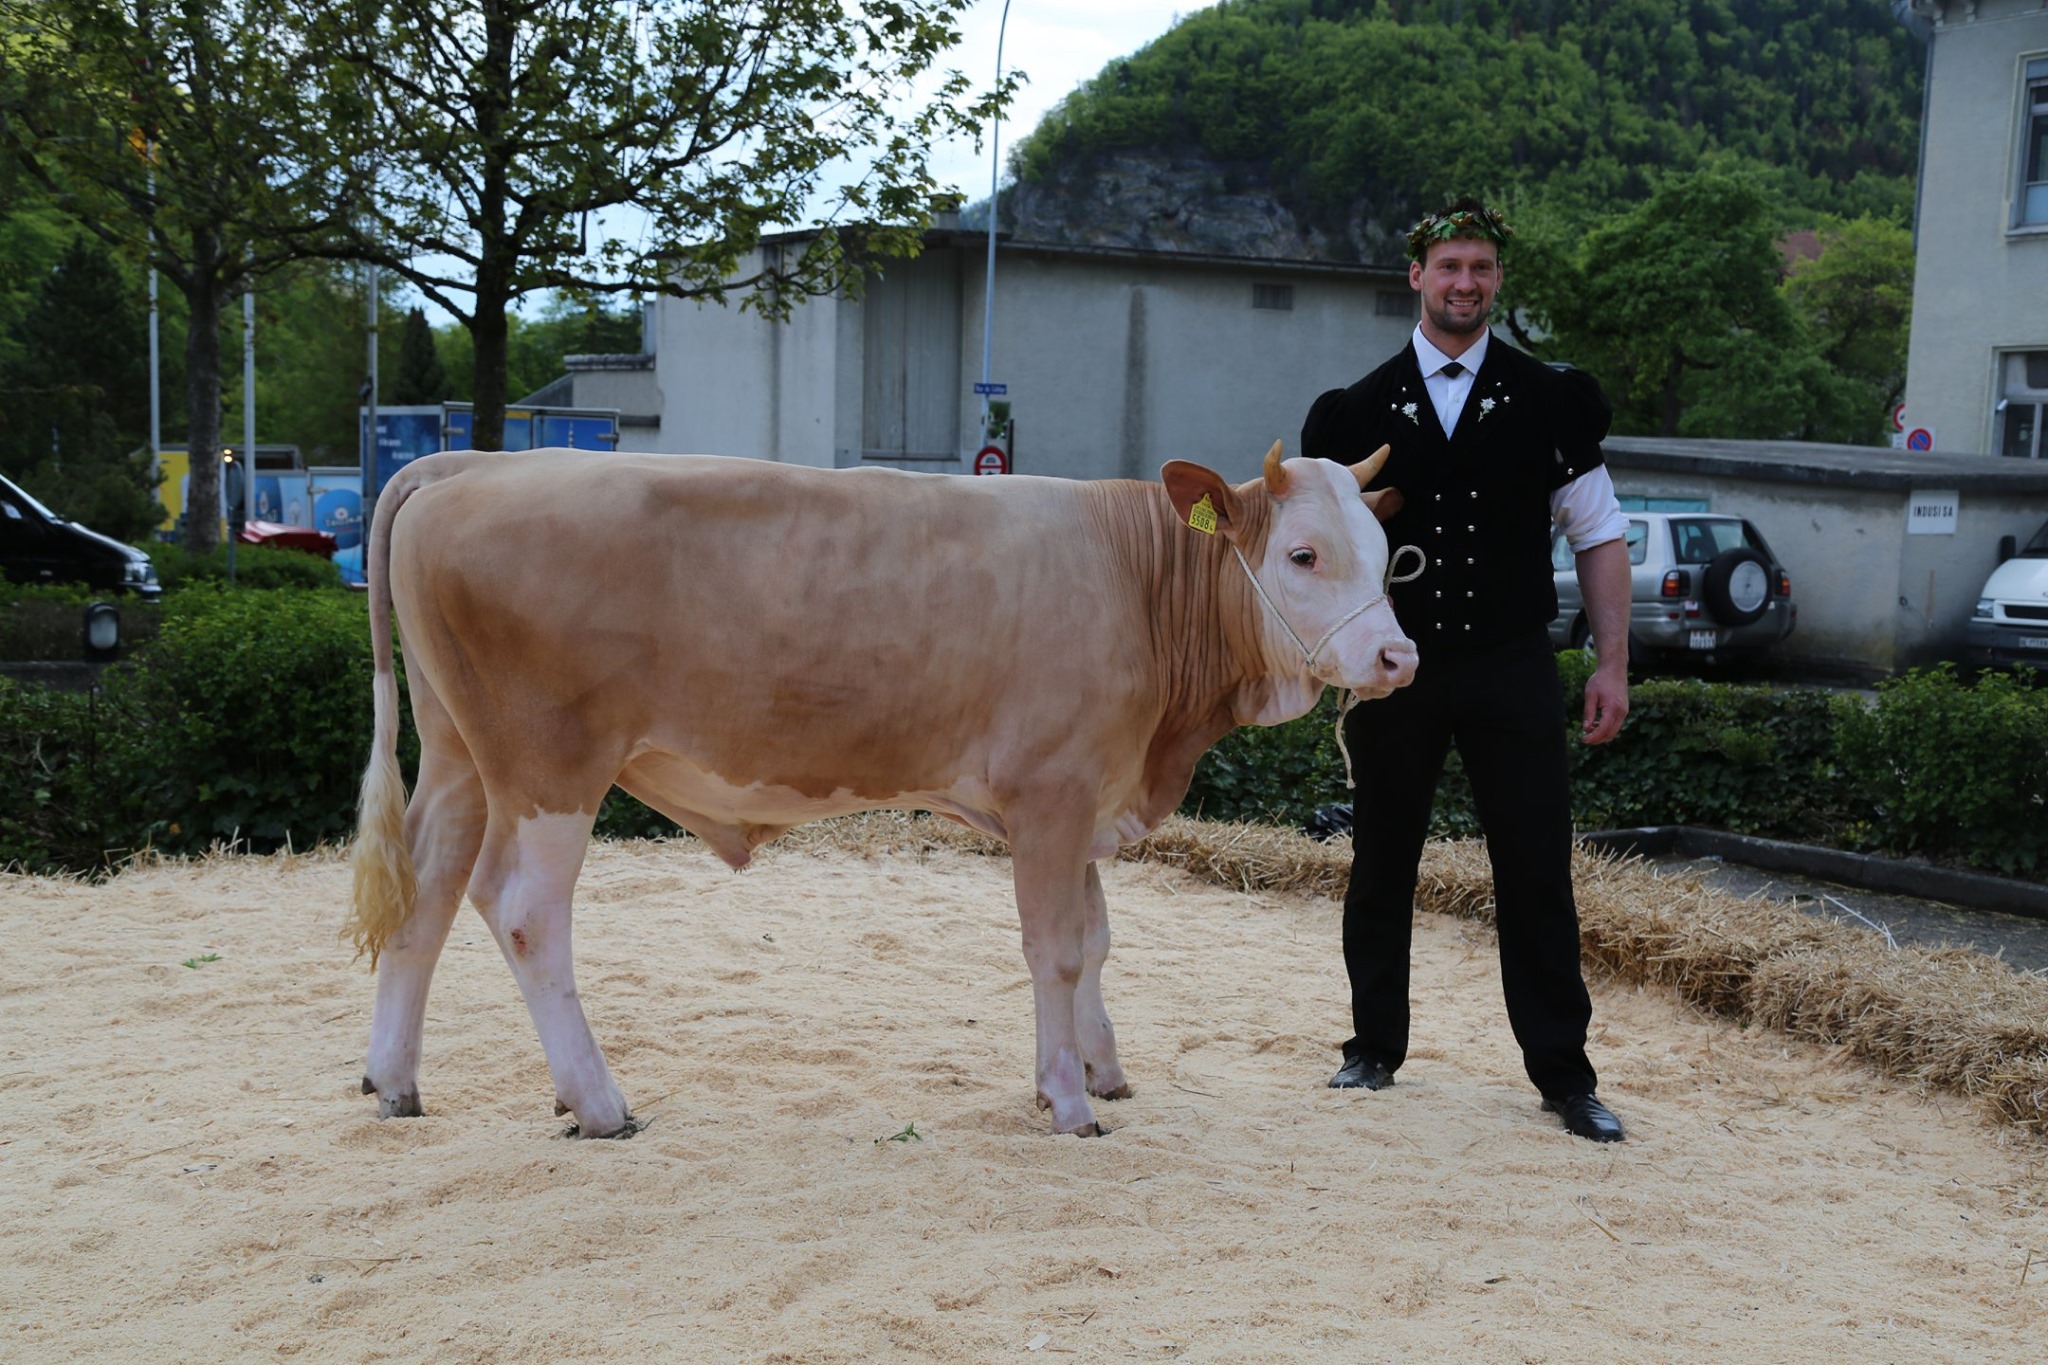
(283, 537)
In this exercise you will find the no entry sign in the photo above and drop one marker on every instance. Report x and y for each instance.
(992, 460)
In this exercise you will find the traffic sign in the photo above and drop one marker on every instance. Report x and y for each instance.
(1899, 417)
(991, 388)
(992, 460)
(1920, 438)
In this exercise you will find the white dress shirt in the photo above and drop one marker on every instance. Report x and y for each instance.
(1585, 509)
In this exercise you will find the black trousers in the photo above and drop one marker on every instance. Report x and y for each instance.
(1503, 707)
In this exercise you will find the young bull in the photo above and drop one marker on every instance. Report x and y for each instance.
(745, 646)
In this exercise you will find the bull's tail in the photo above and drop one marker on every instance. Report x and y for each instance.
(382, 860)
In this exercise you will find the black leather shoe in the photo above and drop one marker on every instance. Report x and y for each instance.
(1361, 1073)
(1585, 1117)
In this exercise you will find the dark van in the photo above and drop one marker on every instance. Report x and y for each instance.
(38, 546)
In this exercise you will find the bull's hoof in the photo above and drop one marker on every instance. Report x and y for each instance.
(619, 1134)
(1120, 1092)
(404, 1106)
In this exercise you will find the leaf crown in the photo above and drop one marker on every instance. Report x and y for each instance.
(1481, 223)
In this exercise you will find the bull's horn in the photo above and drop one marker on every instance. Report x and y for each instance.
(1370, 465)
(1276, 473)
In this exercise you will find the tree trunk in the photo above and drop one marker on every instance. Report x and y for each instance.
(1674, 379)
(202, 396)
(496, 253)
(490, 332)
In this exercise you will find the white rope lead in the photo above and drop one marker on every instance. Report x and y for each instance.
(1351, 698)
(1308, 656)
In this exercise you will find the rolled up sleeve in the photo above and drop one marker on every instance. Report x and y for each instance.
(1587, 511)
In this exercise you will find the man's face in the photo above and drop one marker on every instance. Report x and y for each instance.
(1457, 280)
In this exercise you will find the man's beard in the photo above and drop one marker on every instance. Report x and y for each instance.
(1446, 321)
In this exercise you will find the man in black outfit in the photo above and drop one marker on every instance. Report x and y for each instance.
(1491, 448)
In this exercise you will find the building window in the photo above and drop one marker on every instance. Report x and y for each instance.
(2023, 398)
(2033, 189)
(1397, 303)
(1278, 298)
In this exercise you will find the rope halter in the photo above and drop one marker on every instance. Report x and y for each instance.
(1308, 656)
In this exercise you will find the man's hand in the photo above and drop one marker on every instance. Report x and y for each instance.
(1606, 703)
(1604, 584)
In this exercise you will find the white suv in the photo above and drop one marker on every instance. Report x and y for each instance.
(1703, 585)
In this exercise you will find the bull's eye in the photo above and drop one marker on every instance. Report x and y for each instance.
(1303, 558)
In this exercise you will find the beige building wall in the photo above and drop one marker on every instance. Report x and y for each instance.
(1115, 361)
(733, 383)
(1980, 288)
(1873, 597)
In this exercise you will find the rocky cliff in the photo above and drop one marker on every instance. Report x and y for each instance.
(1178, 202)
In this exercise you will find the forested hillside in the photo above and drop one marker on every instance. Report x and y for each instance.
(1347, 117)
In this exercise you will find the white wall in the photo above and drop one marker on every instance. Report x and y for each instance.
(1871, 597)
(1979, 287)
(1116, 367)
(733, 383)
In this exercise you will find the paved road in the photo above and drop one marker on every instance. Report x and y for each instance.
(2022, 941)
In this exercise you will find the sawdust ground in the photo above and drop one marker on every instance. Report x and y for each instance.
(187, 1172)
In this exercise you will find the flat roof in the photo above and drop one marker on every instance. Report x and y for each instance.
(1008, 244)
(1877, 468)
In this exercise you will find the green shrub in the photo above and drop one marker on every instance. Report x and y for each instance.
(1751, 760)
(251, 718)
(47, 623)
(1952, 770)
(256, 566)
(1280, 774)
(623, 817)
(53, 787)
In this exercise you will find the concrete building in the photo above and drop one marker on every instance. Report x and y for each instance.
(1115, 360)
(1887, 549)
(1977, 364)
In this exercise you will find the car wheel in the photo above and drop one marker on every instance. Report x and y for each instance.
(1737, 588)
(1582, 634)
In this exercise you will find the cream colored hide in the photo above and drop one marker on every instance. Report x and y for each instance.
(745, 646)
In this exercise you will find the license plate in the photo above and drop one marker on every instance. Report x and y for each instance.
(2033, 642)
(1703, 639)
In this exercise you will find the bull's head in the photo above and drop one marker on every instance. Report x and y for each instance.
(1319, 565)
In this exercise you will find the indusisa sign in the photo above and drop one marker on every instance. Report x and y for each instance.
(1932, 513)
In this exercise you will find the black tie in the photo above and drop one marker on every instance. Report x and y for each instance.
(1452, 369)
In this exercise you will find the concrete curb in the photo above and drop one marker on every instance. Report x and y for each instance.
(1971, 890)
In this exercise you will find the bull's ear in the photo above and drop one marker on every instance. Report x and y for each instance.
(1187, 484)
(1384, 502)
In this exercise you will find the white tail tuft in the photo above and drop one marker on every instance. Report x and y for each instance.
(381, 860)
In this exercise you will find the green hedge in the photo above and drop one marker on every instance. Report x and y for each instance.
(47, 623)
(1938, 765)
(1952, 771)
(248, 716)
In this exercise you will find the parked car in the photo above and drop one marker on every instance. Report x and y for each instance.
(1703, 586)
(2010, 623)
(38, 546)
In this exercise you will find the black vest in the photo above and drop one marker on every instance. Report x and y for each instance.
(1476, 504)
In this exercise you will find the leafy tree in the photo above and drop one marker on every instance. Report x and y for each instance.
(507, 135)
(1856, 301)
(421, 379)
(1675, 305)
(1361, 113)
(173, 133)
(74, 396)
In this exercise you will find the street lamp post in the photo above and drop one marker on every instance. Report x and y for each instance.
(988, 301)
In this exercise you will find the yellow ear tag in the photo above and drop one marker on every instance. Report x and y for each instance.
(1202, 516)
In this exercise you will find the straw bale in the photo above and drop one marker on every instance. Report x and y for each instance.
(1950, 1017)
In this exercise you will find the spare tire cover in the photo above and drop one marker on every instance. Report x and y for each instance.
(1738, 586)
